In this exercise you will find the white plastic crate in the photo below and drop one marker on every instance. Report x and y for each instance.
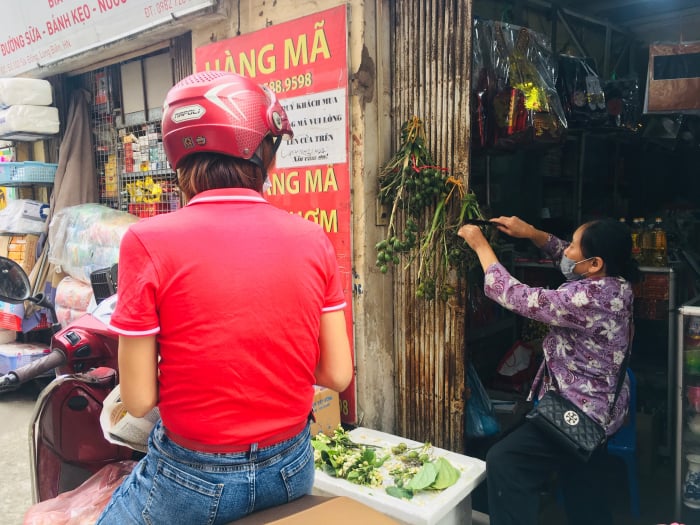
(15, 355)
(451, 506)
(15, 173)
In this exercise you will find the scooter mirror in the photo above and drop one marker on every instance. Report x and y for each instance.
(14, 283)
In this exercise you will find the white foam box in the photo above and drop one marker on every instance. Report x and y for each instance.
(16, 355)
(451, 506)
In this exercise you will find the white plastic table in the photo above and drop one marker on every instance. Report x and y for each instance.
(451, 506)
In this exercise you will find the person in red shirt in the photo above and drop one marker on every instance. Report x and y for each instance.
(229, 312)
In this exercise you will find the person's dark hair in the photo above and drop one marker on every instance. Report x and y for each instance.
(209, 171)
(611, 240)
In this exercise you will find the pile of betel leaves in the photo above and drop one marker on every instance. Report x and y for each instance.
(412, 470)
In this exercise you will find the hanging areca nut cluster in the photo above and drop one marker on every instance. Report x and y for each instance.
(428, 205)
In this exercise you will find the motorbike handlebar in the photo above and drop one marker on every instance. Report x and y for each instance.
(8, 382)
(15, 378)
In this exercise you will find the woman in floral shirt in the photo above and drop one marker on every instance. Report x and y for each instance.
(589, 319)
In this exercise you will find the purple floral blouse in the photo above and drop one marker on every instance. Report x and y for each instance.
(589, 322)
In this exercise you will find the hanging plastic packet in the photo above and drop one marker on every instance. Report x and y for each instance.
(581, 93)
(594, 91)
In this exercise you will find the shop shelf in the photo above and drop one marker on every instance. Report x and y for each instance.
(18, 173)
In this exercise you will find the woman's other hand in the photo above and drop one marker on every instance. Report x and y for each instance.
(514, 226)
(477, 242)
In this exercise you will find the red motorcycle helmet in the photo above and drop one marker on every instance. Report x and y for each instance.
(219, 112)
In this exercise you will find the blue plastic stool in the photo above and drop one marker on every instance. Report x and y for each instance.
(624, 444)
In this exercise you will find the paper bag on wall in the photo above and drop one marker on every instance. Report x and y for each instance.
(673, 80)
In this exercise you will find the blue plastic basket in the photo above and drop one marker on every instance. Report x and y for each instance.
(16, 173)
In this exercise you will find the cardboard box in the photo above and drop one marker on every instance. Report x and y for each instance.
(317, 510)
(21, 249)
(326, 409)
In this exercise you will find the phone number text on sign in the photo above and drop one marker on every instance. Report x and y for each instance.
(293, 83)
(162, 6)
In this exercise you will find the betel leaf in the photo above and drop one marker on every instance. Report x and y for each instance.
(399, 492)
(319, 445)
(447, 475)
(353, 476)
(423, 478)
(368, 455)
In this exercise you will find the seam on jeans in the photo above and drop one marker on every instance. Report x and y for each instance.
(180, 477)
(251, 489)
(183, 478)
(302, 440)
(294, 468)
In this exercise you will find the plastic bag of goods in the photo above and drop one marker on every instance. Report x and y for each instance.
(86, 237)
(514, 101)
(24, 216)
(25, 91)
(72, 299)
(42, 120)
(82, 505)
(481, 420)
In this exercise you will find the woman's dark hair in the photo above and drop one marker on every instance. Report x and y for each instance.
(611, 240)
(209, 171)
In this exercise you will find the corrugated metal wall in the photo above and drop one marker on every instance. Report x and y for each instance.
(432, 48)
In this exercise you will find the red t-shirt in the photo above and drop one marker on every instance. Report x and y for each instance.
(234, 288)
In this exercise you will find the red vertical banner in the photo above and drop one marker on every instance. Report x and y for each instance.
(304, 62)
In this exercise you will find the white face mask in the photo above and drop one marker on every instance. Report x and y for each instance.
(567, 265)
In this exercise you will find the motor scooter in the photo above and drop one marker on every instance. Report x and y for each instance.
(66, 441)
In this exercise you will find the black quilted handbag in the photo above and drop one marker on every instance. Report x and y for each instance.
(568, 425)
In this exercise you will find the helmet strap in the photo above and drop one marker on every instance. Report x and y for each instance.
(276, 143)
(257, 156)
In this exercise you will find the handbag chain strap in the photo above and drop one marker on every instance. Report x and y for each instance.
(620, 376)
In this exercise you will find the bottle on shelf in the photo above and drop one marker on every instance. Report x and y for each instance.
(659, 254)
(646, 242)
(637, 226)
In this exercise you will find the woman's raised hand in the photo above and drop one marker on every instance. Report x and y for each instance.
(514, 226)
(473, 235)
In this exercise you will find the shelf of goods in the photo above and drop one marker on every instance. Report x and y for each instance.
(687, 415)
(135, 174)
(656, 300)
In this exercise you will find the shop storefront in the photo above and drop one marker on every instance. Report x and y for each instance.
(351, 74)
(125, 57)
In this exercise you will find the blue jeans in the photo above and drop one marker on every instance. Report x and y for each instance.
(173, 485)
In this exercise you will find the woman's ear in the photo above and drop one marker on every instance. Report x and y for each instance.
(597, 263)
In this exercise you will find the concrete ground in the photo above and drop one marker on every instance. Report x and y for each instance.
(15, 482)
